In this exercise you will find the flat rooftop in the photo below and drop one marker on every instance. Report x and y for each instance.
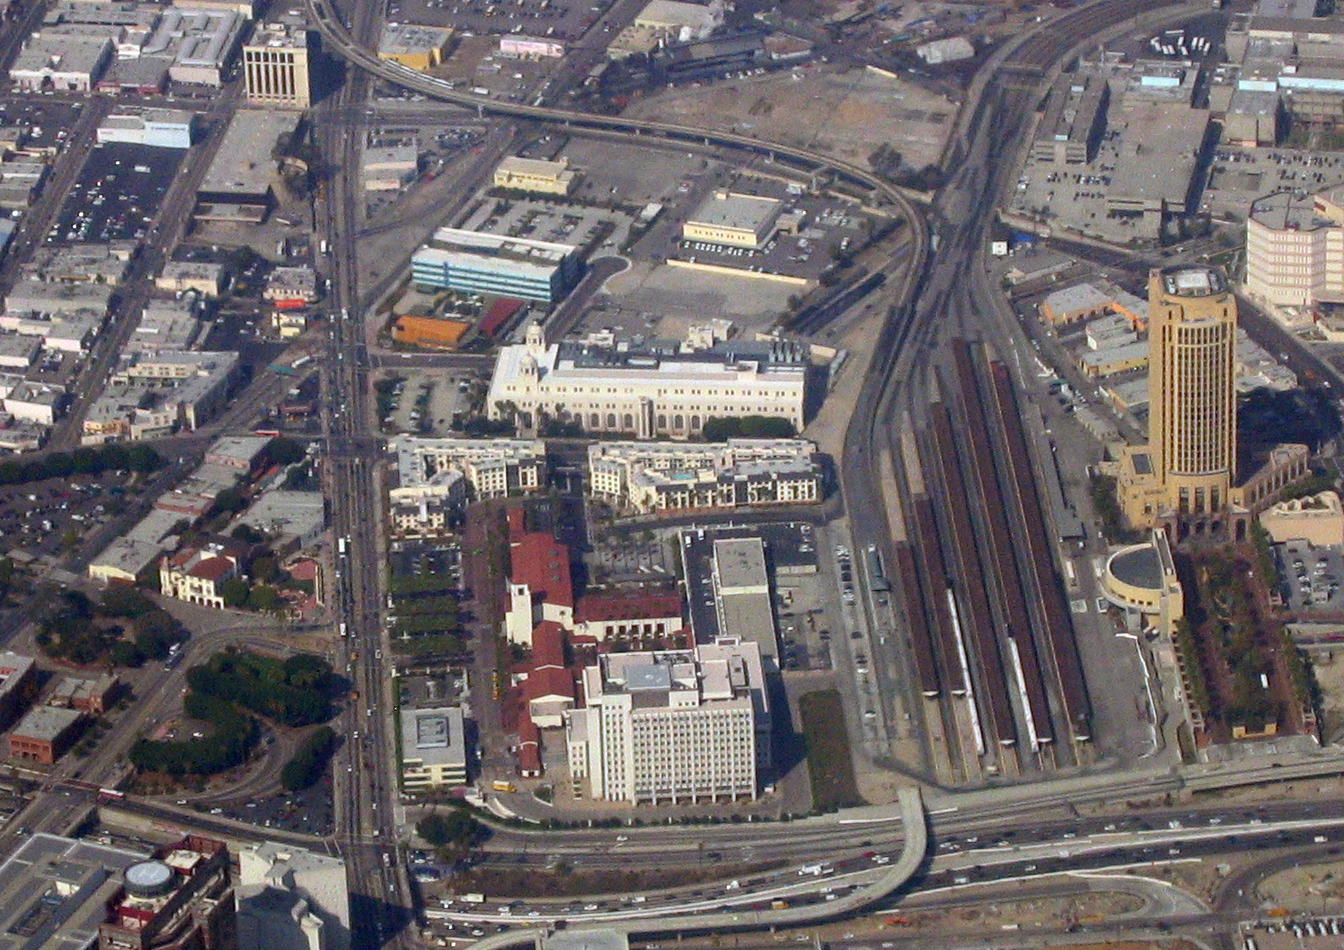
(1194, 281)
(243, 164)
(736, 211)
(434, 736)
(404, 38)
(54, 891)
(484, 244)
(1288, 211)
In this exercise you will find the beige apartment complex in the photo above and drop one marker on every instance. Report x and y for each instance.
(275, 67)
(646, 477)
(535, 175)
(1295, 249)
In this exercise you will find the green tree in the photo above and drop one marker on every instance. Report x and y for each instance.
(234, 591)
(122, 600)
(263, 598)
(230, 500)
(454, 828)
(247, 534)
(283, 451)
(264, 568)
(143, 458)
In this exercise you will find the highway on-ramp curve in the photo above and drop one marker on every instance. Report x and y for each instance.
(913, 850)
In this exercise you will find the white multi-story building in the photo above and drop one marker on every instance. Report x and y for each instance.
(436, 475)
(673, 476)
(1295, 249)
(670, 727)
(267, 870)
(658, 390)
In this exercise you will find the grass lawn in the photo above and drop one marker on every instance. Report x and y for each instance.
(828, 759)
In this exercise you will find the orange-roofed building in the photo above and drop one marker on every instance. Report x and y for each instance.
(628, 616)
(540, 586)
(529, 749)
(429, 331)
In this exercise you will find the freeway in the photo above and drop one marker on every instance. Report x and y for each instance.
(365, 788)
(339, 41)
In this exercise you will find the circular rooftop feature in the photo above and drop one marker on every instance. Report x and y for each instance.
(149, 878)
(1133, 578)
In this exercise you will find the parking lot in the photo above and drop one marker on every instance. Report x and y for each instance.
(47, 124)
(1238, 176)
(1311, 575)
(406, 558)
(308, 811)
(556, 19)
(116, 194)
(424, 403)
(43, 518)
(542, 220)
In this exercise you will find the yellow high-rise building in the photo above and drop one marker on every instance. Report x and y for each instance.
(1187, 470)
(1186, 476)
(1192, 394)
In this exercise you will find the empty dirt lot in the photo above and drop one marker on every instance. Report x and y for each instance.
(845, 114)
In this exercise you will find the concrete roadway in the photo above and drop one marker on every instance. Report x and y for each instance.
(365, 783)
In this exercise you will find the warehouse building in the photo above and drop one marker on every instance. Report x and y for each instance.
(535, 175)
(44, 734)
(416, 47)
(734, 220)
(18, 685)
(389, 167)
(1074, 120)
(159, 128)
(67, 63)
(658, 389)
(475, 262)
(239, 184)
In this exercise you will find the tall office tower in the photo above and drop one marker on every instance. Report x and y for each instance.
(1192, 387)
(1185, 476)
(1192, 422)
(275, 66)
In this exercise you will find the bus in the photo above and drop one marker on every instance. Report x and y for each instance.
(500, 785)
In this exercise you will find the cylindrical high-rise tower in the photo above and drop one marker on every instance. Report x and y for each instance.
(1192, 424)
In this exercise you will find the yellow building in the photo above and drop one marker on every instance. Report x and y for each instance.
(416, 47)
(1142, 577)
(275, 67)
(734, 220)
(535, 175)
(1186, 471)
(1316, 519)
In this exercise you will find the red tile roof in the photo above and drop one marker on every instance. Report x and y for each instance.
(548, 645)
(517, 523)
(529, 747)
(549, 682)
(641, 605)
(212, 568)
(542, 563)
